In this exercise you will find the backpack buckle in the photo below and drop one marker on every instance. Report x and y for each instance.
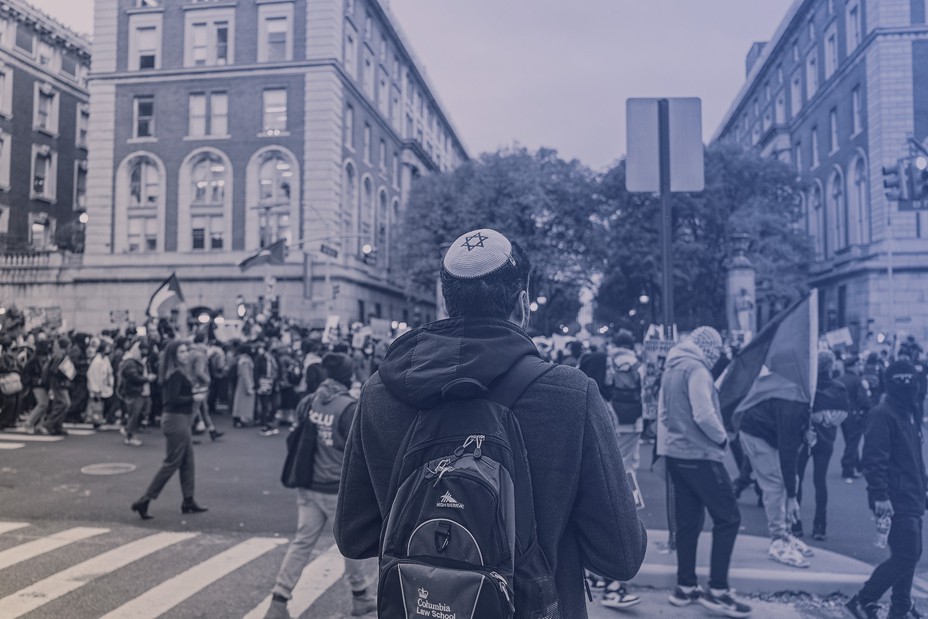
(442, 537)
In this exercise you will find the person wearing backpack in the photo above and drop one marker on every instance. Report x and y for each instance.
(465, 434)
(330, 411)
(626, 373)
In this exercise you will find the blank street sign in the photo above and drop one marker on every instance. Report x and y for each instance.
(642, 164)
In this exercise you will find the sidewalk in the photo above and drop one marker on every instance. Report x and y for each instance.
(654, 604)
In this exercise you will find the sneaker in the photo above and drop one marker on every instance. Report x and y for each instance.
(862, 611)
(906, 614)
(679, 597)
(122, 430)
(724, 602)
(596, 583)
(363, 604)
(782, 551)
(269, 431)
(277, 610)
(818, 535)
(620, 599)
(802, 547)
(134, 442)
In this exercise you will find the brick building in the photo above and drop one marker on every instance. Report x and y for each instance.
(836, 93)
(219, 128)
(43, 130)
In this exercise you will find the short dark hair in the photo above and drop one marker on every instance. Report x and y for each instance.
(492, 296)
(199, 338)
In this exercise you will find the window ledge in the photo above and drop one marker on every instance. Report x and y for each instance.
(145, 140)
(48, 132)
(272, 1)
(856, 133)
(145, 10)
(205, 138)
(84, 146)
(279, 134)
(8, 114)
(199, 6)
(42, 198)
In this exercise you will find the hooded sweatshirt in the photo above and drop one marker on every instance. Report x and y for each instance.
(689, 417)
(584, 509)
(331, 413)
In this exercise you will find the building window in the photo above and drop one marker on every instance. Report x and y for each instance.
(367, 148)
(831, 51)
(41, 231)
(349, 7)
(147, 3)
(207, 193)
(207, 38)
(144, 46)
(781, 109)
(383, 156)
(382, 226)
(218, 114)
(6, 91)
(6, 145)
(44, 167)
(143, 205)
(383, 94)
(368, 77)
(275, 199)
(395, 110)
(80, 185)
(815, 154)
(854, 32)
(275, 40)
(819, 233)
(798, 152)
(856, 111)
(795, 95)
(211, 120)
(46, 109)
(368, 27)
(366, 232)
(144, 122)
(862, 199)
(68, 65)
(812, 29)
(83, 124)
(350, 204)
(839, 211)
(833, 128)
(795, 52)
(275, 111)
(350, 50)
(811, 74)
(25, 40)
(396, 169)
(349, 126)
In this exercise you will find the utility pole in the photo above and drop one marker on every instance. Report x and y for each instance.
(663, 107)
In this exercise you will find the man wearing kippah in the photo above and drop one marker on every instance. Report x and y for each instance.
(584, 509)
(692, 438)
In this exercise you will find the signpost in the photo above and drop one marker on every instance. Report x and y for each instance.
(328, 250)
(665, 155)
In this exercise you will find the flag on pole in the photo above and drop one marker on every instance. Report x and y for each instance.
(780, 362)
(275, 253)
(165, 297)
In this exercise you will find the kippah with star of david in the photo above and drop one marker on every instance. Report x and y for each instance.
(478, 253)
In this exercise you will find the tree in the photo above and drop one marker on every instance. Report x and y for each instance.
(744, 193)
(548, 205)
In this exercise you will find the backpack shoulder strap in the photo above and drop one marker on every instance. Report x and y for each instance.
(507, 390)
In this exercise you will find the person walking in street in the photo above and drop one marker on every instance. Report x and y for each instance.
(585, 514)
(35, 377)
(853, 427)
(59, 374)
(178, 401)
(134, 385)
(896, 486)
(329, 412)
(243, 399)
(100, 381)
(199, 361)
(829, 410)
(266, 375)
(692, 437)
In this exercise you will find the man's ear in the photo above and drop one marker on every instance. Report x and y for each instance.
(520, 313)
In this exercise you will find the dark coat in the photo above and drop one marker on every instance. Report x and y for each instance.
(584, 507)
(892, 458)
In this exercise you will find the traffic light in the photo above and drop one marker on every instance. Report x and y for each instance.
(894, 182)
(919, 176)
(369, 254)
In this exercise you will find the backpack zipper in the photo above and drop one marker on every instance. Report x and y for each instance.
(454, 439)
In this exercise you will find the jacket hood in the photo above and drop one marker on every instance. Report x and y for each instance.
(329, 390)
(685, 352)
(421, 363)
(624, 357)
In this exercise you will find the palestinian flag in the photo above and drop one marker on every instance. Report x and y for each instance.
(780, 362)
(275, 253)
(165, 297)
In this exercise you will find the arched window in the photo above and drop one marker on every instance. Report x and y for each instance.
(139, 212)
(861, 194)
(819, 231)
(274, 195)
(205, 202)
(366, 231)
(350, 202)
(383, 227)
(838, 210)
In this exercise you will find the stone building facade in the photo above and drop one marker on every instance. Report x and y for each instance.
(44, 117)
(219, 128)
(836, 93)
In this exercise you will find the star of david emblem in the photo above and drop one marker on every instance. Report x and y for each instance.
(474, 241)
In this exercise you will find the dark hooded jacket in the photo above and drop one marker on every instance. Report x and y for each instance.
(584, 508)
(892, 456)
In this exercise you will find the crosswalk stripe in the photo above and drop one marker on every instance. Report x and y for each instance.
(32, 438)
(170, 593)
(41, 593)
(81, 432)
(6, 527)
(318, 576)
(9, 446)
(32, 549)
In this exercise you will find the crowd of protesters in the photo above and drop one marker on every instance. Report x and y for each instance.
(116, 378)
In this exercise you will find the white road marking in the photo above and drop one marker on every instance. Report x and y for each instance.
(158, 600)
(9, 446)
(29, 550)
(29, 438)
(318, 576)
(6, 527)
(38, 594)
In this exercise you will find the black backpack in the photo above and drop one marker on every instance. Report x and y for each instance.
(460, 539)
(626, 392)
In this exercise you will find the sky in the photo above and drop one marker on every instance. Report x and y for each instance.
(556, 73)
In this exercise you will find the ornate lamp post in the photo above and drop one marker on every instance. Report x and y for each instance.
(740, 289)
